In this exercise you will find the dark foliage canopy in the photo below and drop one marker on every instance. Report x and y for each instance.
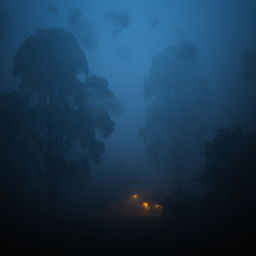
(230, 162)
(49, 123)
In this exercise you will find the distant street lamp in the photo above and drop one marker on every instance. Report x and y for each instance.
(135, 196)
(146, 205)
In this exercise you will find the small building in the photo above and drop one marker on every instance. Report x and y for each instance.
(178, 205)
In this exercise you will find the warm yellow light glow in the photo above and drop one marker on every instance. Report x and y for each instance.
(146, 205)
(135, 196)
(157, 206)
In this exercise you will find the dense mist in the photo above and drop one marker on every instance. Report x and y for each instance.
(104, 101)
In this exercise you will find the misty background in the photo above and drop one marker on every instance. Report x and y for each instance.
(127, 42)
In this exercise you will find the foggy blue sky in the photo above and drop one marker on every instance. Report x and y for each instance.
(221, 30)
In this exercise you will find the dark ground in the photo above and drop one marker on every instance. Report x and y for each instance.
(123, 234)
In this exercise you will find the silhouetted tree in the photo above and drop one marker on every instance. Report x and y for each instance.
(16, 146)
(177, 105)
(230, 164)
(58, 91)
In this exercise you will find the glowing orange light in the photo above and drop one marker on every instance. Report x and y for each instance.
(135, 196)
(145, 205)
